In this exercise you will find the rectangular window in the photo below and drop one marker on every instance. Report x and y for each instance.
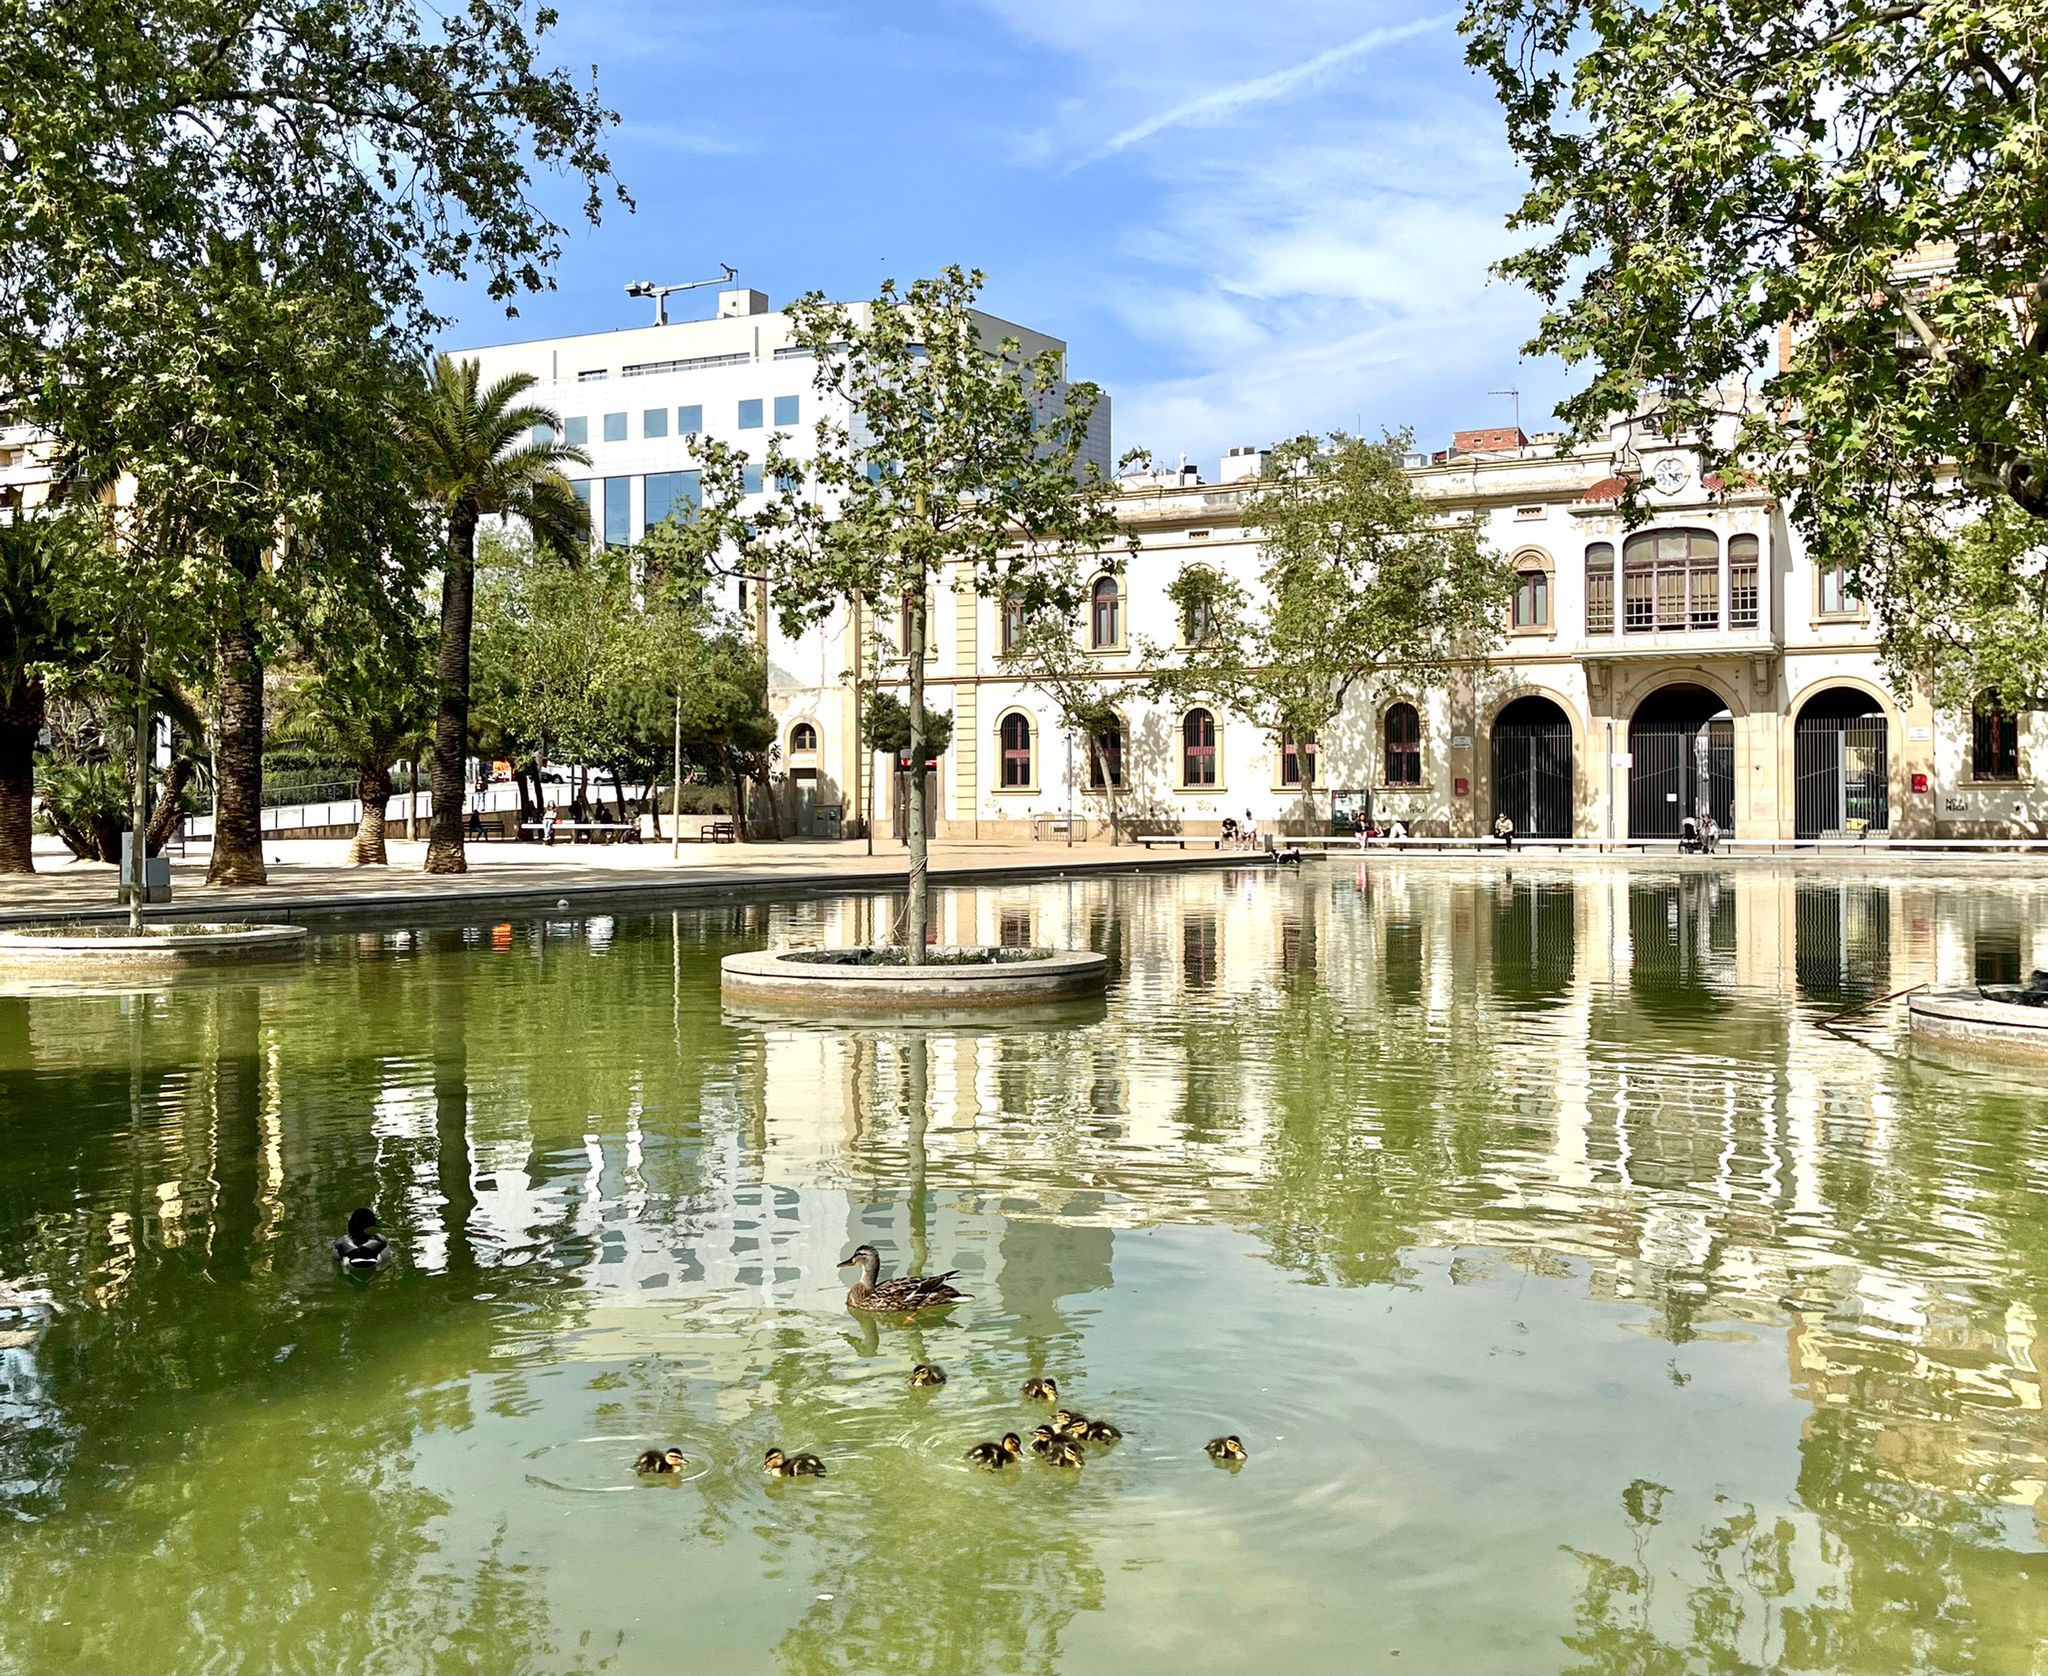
(750, 479)
(690, 419)
(1835, 598)
(786, 410)
(543, 436)
(1994, 742)
(595, 375)
(750, 414)
(1532, 599)
(618, 511)
(654, 422)
(1743, 599)
(615, 427)
(1600, 588)
(576, 431)
(1291, 762)
(1705, 596)
(581, 486)
(678, 492)
(1671, 581)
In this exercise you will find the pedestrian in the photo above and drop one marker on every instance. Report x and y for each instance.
(1504, 830)
(549, 817)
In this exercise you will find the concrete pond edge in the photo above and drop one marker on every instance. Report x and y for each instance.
(797, 980)
(1961, 1018)
(52, 953)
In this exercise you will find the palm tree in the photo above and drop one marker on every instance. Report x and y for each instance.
(484, 454)
(35, 629)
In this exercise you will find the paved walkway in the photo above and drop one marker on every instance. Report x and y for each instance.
(311, 876)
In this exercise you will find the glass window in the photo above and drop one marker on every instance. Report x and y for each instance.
(786, 410)
(750, 479)
(581, 486)
(1404, 745)
(1835, 598)
(1671, 580)
(1743, 596)
(654, 422)
(803, 737)
(1109, 753)
(678, 492)
(690, 419)
(1106, 613)
(615, 427)
(543, 436)
(1292, 764)
(576, 431)
(1197, 622)
(1532, 599)
(618, 511)
(1600, 588)
(1198, 749)
(1013, 622)
(1016, 750)
(750, 414)
(1994, 740)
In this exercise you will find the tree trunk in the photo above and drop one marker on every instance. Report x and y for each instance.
(917, 911)
(1100, 759)
(238, 732)
(163, 821)
(20, 724)
(766, 776)
(451, 675)
(373, 786)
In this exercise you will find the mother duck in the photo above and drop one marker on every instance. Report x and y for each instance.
(359, 1248)
(904, 1295)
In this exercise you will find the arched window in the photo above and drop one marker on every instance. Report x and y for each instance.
(1109, 754)
(1600, 587)
(1404, 745)
(1198, 749)
(1670, 580)
(1294, 758)
(1994, 740)
(1105, 616)
(1016, 738)
(1197, 621)
(1532, 598)
(1013, 621)
(803, 737)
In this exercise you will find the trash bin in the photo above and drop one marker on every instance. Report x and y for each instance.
(156, 873)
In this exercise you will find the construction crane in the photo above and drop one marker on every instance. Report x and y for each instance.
(661, 293)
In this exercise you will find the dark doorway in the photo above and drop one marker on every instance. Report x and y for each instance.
(1532, 768)
(1840, 762)
(1681, 747)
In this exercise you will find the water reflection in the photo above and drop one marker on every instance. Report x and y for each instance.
(1511, 1214)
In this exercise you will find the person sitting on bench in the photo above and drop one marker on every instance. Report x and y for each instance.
(1504, 830)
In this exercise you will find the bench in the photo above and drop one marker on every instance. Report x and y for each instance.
(594, 832)
(1180, 840)
(717, 832)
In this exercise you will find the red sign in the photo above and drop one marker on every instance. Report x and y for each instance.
(1919, 782)
(1463, 788)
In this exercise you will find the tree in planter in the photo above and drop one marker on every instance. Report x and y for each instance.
(1357, 574)
(1859, 189)
(480, 458)
(885, 728)
(962, 463)
(1046, 652)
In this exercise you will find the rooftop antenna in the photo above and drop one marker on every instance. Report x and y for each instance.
(1516, 397)
(661, 293)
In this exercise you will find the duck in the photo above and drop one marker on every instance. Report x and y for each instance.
(1069, 1424)
(670, 1459)
(1226, 1450)
(1100, 1431)
(904, 1295)
(802, 1464)
(1042, 1390)
(1043, 1438)
(925, 1373)
(995, 1455)
(1064, 1453)
(359, 1248)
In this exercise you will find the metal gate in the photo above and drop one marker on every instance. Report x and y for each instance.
(1678, 770)
(1843, 783)
(803, 797)
(1532, 775)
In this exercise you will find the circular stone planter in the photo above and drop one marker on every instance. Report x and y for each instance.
(79, 951)
(953, 980)
(1962, 1019)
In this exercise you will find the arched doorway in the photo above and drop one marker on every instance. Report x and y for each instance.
(1532, 768)
(1681, 745)
(1841, 766)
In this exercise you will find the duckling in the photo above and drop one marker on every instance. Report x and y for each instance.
(1042, 1390)
(1063, 1453)
(670, 1459)
(994, 1455)
(1226, 1450)
(1100, 1431)
(1043, 1438)
(926, 1374)
(1069, 1424)
(800, 1465)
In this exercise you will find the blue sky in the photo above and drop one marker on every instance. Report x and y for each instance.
(1247, 219)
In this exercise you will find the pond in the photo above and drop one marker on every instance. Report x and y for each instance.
(1588, 1292)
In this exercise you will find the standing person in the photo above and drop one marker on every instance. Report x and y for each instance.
(1504, 830)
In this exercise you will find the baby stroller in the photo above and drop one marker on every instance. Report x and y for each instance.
(1689, 840)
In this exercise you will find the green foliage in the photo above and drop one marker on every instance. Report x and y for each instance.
(44, 560)
(478, 451)
(360, 687)
(86, 805)
(886, 726)
(1357, 575)
(1709, 180)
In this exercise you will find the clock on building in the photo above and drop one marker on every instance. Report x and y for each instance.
(1670, 474)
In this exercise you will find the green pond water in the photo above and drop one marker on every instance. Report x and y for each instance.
(1583, 1302)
